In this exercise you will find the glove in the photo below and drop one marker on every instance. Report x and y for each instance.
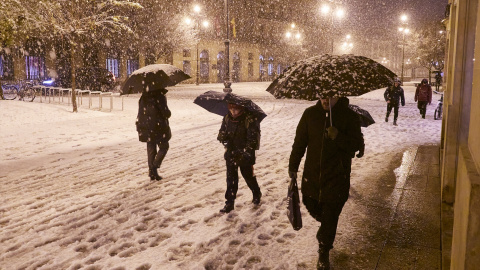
(292, 175)
(332, 132)
(360, 154)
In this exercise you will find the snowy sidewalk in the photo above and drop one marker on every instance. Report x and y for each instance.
(75, 194)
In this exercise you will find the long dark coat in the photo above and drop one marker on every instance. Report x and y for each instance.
(328, 180)
(241, 137)
(152, 119)
(423, 93)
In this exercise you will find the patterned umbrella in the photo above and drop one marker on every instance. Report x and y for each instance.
(153, 77)
(331, 76)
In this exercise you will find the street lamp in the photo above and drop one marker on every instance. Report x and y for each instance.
(205, 24)
(347, 45)
(404, 32)
(337, 11)
(227, 82)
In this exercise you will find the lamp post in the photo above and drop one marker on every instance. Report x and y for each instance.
(347, 45)
(338, 12)
(226, 81)
(404, 31)
(196, 10)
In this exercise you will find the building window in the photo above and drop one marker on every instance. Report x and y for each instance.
(112, 66)
(6, 67)
(187, 67)
(270, 66)
(204, 68)
(132, 65)
(279, 69)
(250, 56)
(250, 69)
(187, 53)
(35, 67)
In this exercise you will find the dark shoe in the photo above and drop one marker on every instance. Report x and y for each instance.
(423, 116)
(227, 208)
(323, 259)
(395, 122)
(386, 119)
(153, 173)
(256, 198)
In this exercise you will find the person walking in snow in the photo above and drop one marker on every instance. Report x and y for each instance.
(153, 128)
(240, 134)
(326, 175)
(438, 81)
(423, 95)
(392, 96)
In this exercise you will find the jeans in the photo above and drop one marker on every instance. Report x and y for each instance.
(395, 110)
(155, 158)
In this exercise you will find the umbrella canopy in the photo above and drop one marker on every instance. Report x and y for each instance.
(217, 103)
(331, 76)
(365, 118)
(152, 77)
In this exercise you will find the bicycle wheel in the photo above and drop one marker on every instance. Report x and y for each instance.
(9, 91)
(435, 114)
(439, 113)
(29, 94)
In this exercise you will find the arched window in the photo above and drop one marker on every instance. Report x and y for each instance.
(221, 66)
(262, 68)
(204, 68)
(279, 69)
(270, 66)
(236, 67)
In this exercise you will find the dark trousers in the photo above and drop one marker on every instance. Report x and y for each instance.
(155, 158)
(422, 106)
(437, 86)
(395, 110)
(327, 213)
(232, 181)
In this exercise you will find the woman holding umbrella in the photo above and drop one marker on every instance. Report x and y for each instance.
(153, 128)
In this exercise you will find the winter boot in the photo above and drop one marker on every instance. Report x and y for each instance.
(227, 208)
(256, 198)
(153, 173)
(323, 259)
(386, 118)
(395, 122)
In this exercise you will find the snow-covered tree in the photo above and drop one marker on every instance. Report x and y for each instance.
(75, 21)
(428, 47)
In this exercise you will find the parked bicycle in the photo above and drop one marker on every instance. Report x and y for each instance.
(439, 110)
(22, 89)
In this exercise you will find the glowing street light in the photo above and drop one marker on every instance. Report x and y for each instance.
(404, 32)
(337, 11)
(205, 24)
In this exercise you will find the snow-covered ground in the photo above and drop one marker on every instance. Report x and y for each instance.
(75, 194)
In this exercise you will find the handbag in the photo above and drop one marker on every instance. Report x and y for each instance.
(293, 205)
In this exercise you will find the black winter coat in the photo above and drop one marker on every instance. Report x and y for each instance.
(152, 119)
(394, 94)
(241, 137)
(328, 180)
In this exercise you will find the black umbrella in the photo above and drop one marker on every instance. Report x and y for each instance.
(365, 118)
(331, 76)
(217, 103)
(152, 77)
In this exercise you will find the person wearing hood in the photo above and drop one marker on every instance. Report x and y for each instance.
(326, 174)
(392, 96)
(423, 95)
(240, 134)
(153, 128)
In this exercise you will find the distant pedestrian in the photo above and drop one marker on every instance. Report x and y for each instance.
(153, 128)
(240, 134)
(326, 175)
(423, 95)
(393, 94)
(438, 81)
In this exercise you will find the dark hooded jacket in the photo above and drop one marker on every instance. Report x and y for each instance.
(394, 95)
(241, 137)
(152, 119)
(328, 180)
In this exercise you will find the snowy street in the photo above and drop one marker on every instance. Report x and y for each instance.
(75, 191)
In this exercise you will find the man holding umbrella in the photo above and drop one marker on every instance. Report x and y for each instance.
(240, 134)
(330, 133)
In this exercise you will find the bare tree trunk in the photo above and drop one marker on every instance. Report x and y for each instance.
(72, 58)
